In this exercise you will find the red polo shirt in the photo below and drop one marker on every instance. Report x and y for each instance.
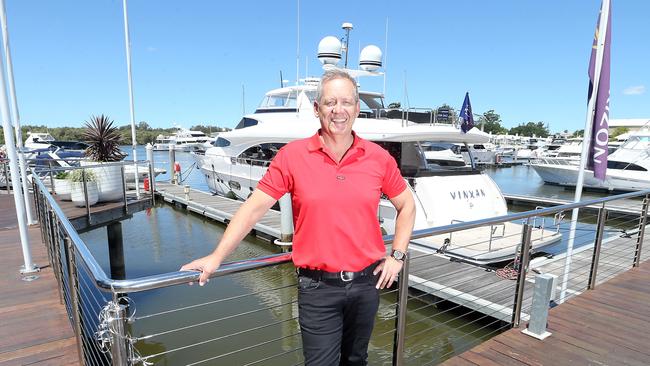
(334, 204)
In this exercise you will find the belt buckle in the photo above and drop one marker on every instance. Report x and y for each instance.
(345, 278)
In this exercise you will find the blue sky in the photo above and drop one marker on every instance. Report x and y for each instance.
(527, 60)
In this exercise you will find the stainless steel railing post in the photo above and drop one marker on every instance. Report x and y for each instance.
(49, 163)
(400, 319)
(152, 183)
(521, 276)
(126, 206)
(600, 226)
(639, 239)
(120, 342)
(74, 298)
(56, 259)
(83, 178)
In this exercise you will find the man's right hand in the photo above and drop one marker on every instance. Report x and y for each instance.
(206, 265)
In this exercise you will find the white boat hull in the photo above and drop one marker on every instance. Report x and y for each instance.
(615, 180)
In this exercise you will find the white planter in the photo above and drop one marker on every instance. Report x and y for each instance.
(109, 181)
(77, 193)
(62, 189)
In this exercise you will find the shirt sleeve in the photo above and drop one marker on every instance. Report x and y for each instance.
(393, 183)
(277, 179)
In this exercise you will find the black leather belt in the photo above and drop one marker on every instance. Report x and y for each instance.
(341, 276)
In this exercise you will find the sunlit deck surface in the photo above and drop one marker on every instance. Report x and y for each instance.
(34, 326)
(606, 326)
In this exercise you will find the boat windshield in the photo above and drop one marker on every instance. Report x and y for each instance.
(369, 102)
(637, 143)
(285, 99)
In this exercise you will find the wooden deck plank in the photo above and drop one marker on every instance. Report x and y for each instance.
(607, 325)
(29, 335)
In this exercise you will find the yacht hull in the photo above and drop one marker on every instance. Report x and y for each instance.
(615, 180)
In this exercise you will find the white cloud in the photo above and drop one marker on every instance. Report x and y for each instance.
(151, 49)
(634, 90)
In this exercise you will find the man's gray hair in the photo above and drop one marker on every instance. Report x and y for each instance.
(333, 74)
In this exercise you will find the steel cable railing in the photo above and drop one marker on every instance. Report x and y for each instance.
(268, 334)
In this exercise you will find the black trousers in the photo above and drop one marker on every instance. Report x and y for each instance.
(336, 320)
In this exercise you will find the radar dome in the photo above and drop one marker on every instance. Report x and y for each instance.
(370, 58)
(329, 50)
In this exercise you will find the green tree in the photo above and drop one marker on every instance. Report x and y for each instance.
(395, 105)
(491, 122)
(618, 131)
(579, 133)
(529, 129)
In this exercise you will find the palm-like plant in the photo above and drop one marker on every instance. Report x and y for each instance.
(103, 138)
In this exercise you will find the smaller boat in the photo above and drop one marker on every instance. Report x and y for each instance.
(40, 141)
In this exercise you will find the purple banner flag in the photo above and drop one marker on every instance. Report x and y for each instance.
(466, 115)
(600, 128)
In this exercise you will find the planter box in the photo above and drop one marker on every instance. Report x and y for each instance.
(62, 188)
(77, 193)
(109, 181)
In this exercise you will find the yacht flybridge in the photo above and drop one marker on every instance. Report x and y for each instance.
(445, 189)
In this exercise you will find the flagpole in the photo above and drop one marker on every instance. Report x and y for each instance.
(602, 30)
(16, 118)
(134, 142)
(14, 171)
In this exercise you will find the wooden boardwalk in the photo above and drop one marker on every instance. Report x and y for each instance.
(34, 325)
(605, 326)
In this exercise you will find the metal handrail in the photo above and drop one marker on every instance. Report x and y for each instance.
(179, 277)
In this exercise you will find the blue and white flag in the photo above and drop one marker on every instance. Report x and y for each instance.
(466, 116)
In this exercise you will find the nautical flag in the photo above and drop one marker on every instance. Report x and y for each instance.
(599, 132)
(466, 115)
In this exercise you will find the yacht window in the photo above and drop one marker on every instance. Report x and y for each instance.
(370, 105)
(220, 142)
(621, 165)
(408, 155)
(246, 122)
(260, 155)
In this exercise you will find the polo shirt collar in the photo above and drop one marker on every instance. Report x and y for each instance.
(316, 144)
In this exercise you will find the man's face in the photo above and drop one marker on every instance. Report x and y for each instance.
(337, 108)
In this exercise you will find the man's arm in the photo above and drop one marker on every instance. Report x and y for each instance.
(241, 224)
(405, 206)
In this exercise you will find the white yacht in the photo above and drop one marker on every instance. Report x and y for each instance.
(182, 140)
(627, 167)
(163, 142)
(239, 158)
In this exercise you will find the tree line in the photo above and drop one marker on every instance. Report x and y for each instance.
(490, 122)
(144, 133)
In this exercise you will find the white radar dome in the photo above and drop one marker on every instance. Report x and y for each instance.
(329, 50)
(370, 58)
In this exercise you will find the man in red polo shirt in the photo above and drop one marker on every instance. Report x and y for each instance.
(336, 180)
